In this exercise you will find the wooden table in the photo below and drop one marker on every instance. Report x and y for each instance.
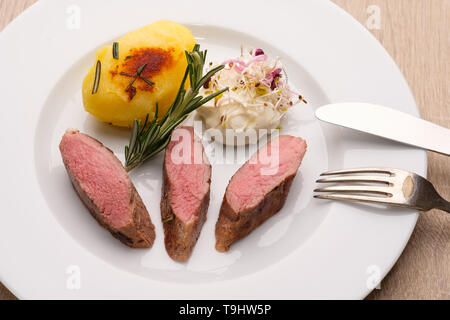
(416, 34)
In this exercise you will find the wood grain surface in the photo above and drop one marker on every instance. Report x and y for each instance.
(416, 34)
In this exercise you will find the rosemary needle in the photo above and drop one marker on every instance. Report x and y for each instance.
(149, 82)
(116, 50)
(141, 68)
(98, 71)
(167, 219)
(126, 74)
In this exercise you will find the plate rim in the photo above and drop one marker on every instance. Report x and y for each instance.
(41, 4)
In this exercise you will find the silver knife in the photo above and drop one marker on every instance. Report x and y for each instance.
(387, 123)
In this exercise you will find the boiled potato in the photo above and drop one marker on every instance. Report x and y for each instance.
(161, 46)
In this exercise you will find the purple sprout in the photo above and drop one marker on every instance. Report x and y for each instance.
(276, 75)
(207, 83)
(259, 52)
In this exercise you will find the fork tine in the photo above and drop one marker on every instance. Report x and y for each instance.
(358, 170)
(357, 198)
(357, 189)
(347, 178)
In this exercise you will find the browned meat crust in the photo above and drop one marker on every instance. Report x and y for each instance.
(138, 233)
(179, 237)
(232, 226)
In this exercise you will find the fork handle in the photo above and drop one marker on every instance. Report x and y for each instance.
(443, 205)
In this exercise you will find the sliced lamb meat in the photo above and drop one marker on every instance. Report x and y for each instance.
(104, 187)
(259, 189)
(185, 192)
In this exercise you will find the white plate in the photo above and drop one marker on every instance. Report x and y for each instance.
(311, 249)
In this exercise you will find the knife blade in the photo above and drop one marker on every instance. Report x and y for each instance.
(387, 123)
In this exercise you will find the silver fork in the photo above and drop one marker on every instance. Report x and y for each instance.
(390, 186)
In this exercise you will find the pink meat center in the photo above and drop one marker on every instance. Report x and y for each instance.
(265, 170)
(100, 175)
(188, 172)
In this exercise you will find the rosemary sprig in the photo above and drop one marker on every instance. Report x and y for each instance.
(151, 137)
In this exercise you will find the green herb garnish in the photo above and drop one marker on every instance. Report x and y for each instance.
(141, 68)
(167, 219)
(135, 76)
(152, 137)
(138, 73)
(149, 82)
(98, 71)
(116, 50)
(127, 74)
